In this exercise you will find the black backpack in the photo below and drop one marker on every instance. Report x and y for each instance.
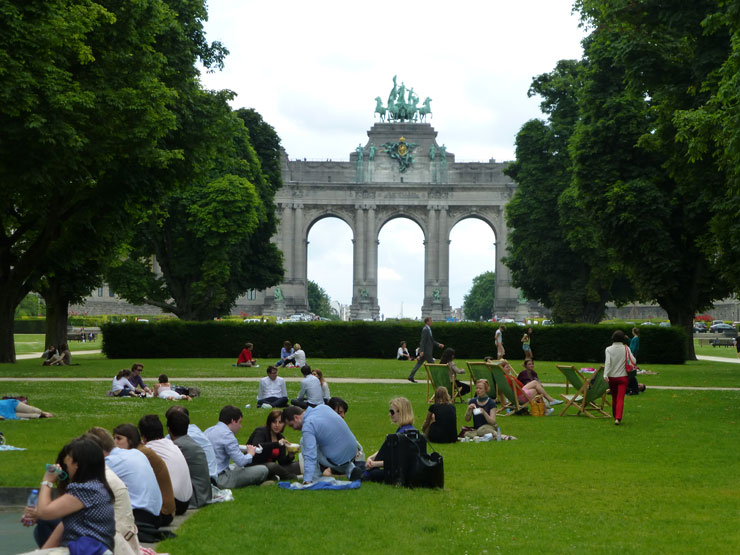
(406, 462)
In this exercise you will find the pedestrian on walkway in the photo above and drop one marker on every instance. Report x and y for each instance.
(426, 347)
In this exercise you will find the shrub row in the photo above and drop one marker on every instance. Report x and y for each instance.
(30, 325)
(177, 339)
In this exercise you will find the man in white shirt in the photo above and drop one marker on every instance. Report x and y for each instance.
(272, 391)
(152, 435)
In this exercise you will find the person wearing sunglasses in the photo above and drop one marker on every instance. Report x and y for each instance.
(402, 415)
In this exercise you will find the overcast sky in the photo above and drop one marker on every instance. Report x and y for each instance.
(313, 69)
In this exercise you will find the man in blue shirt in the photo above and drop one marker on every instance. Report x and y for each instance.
(222, 437)
(326, 440)
(133, 468)
(310, 394)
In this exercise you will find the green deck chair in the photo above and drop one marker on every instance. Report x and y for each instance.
(508, 394)
(590, 396)
(482, 371)
(439, 375)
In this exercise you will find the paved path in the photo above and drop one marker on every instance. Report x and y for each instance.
(718, 359)
(383, 381)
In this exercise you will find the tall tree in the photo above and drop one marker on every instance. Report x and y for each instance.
(646, 61)
(318, 300)
(478, 303)
(551, 252)
(711, 133)
(87, 108)
(209, 242)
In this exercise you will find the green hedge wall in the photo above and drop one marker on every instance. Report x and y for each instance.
(30, 325)
(568, 342)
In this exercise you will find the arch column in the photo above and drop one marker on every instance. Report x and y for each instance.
(505, 303)
(290, 296)
(365, 265)
(436, 264)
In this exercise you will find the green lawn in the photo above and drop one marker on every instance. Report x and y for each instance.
(34, 343)
(663, 482)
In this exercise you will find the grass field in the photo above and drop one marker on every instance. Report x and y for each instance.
(665, 481)
(34, 343)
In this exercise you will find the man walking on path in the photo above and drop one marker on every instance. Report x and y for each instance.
(426, 347)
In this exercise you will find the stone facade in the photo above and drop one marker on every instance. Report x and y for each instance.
(366, 193)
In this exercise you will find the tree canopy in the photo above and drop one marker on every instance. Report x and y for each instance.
(209, 240)
(319, 301)
(478, 303)
(653, 84)
(92, 98)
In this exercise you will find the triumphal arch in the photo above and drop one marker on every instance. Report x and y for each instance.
(401, 171)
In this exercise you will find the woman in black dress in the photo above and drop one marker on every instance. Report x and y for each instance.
(440, 425)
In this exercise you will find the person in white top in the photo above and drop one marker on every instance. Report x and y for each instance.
(500, 351)
(121, 386)
(272, 391)
(617, 355)
(299, 355)
(152, 435)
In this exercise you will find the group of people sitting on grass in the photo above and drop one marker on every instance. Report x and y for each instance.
(129, 383)
(272, 391)
(57, 356)
(291, 356)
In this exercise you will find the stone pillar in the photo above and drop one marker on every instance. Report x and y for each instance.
(365, 275)
(292, 240)
(505, 303)
(436, 282)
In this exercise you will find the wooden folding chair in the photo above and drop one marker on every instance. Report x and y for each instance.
(439, 375)
(481, 371)
(510, 392)
(590, 395)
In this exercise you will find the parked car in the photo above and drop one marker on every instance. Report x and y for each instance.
(722, 328)
(700, 327)
(665, 324)
(547, 322)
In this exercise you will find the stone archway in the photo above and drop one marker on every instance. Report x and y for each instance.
(434, 191)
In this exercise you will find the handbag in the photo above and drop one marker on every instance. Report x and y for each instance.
(406, 462)
(627, 362)
(537, 406)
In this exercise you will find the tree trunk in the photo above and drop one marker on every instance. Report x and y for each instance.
(7, 324)
(57, 308)
(683, 316)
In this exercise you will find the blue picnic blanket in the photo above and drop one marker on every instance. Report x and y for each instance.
(323, 483)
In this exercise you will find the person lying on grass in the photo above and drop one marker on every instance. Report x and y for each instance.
(13, 409)
(164, 390)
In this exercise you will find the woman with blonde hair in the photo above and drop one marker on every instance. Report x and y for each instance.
(402, 414)
(482, 410)
(440, 425)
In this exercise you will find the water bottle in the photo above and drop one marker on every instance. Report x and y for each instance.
(33, 498)
(498, 432)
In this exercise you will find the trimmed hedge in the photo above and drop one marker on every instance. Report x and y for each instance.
(30, 325)
(473, 341)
